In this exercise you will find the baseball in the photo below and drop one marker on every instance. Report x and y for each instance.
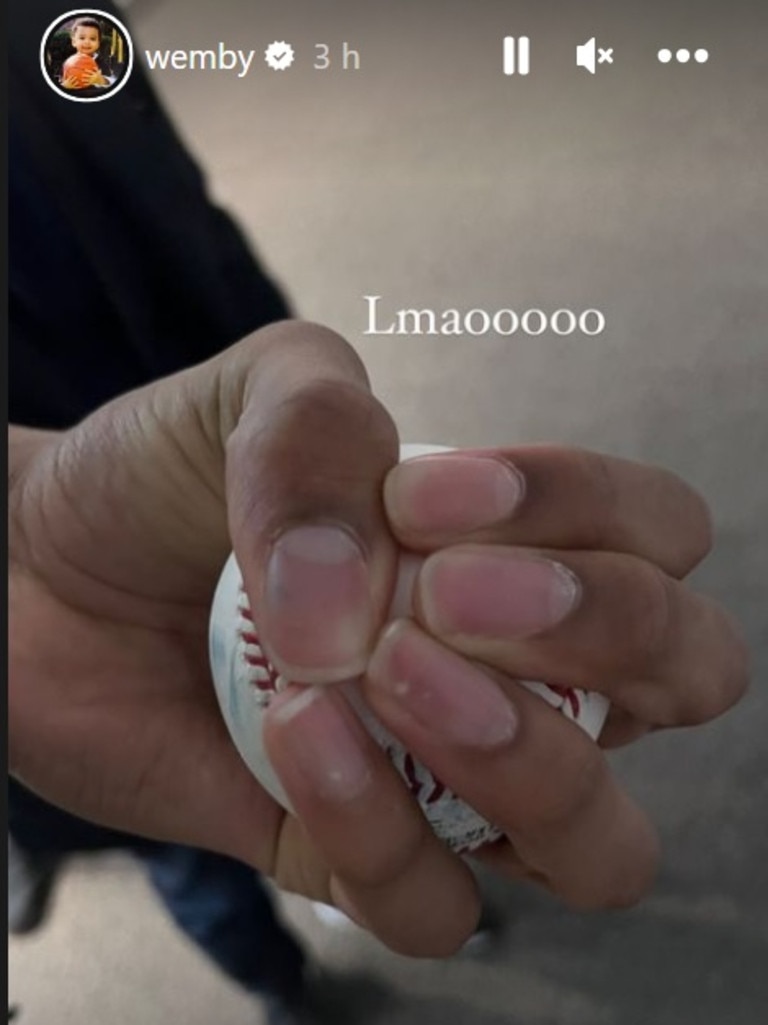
(245, 682)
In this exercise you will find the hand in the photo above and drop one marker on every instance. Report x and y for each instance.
(84, 82)
(119, 529)
(563, 566)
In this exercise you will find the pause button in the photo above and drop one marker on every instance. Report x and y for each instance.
(517, 55)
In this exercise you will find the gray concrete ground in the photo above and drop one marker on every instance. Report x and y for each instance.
(431, 180)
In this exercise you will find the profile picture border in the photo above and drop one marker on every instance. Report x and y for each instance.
(84, 12)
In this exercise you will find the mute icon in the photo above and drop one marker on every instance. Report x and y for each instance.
(589, 55)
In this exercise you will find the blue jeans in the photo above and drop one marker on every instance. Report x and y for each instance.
(219, 903)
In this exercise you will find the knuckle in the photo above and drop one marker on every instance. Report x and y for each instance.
(330, 402)
(290, 348)
(338, 412)
(697, 706)
(318, 452)
(609, 895)
(295, 864)
(625, 885)
(737, 676)
(723, 679)
(736, 663)
(698, 537)
(632, 885)
(397, 850)
(571, 789)
(700, 704)
(597, 472)
(650, 617)
(428, 942)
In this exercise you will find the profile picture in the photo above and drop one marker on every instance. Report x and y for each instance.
(86, 55)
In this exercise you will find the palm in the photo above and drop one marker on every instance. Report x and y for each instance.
(123, 525)
(128, 648)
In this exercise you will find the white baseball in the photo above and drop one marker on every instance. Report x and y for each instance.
(245, 682)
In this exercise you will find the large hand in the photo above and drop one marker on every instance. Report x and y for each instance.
(565, 566)
(118, 531)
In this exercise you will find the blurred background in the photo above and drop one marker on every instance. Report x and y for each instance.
(429, 178)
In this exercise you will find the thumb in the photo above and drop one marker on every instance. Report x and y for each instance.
(304, 474)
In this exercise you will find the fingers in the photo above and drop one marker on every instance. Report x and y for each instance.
(305, 465)
(597, 620)
(621, 728)
(666, 655)
(381, 862)
(277, 432)
(549, 497)
(519, 763)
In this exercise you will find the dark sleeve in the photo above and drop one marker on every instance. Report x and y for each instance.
(181, 279)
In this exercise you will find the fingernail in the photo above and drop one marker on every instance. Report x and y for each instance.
(440, 690)
(495, 593)
(321, 747)
(452, 493)
(316, 620)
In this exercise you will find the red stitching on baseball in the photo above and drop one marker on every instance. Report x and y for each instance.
(569, 695)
